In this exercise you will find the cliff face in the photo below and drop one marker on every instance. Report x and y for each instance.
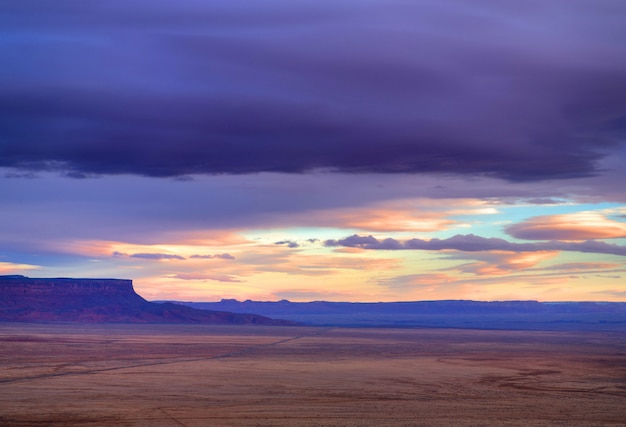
(24, 299)
(20, 285)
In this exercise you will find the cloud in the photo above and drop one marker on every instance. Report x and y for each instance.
(150, 256)
(41, 215)
(14, 268)
(223, 278)
(500, 263)
(583, 266)
(544, 201)
(275, 259)
(424, 283)
(202, 276)
(472, 243)
(432, 286)
(391, 217)
(289, 243)
(574, 226)
(21, 174)
(418, 214)
(221, 256)
(341, 85)
(356, 241)
(613, 293)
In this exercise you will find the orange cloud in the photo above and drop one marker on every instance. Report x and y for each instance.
(500, 263)
(418, 215)
(389, 220)
(425, 286)
(209, 245)
(13, 268)
(288, 262)
(212, 238)
(202, 276)
(500, 287)
(349, 250)
(574, 226)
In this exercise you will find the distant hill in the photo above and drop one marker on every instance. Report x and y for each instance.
(531, 315)
(24, 299)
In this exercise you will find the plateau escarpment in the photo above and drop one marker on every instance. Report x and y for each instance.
(526, 315)
(27, 299)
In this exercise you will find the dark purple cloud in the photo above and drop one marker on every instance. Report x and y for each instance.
(473, 243)
(171, 88)
(544, 201)
(289, 243)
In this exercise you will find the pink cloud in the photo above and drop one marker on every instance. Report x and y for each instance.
(319, 265)
(221, 256)
(500, 263)
(202, 276)
(417, 214)
(151, 256)
(574, 226)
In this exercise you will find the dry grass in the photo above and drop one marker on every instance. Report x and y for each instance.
(149, 375)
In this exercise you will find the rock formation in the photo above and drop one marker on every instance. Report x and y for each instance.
(24, 299)
(527, 315)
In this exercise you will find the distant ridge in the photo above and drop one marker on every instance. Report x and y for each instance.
(533, 315)
(24, 299)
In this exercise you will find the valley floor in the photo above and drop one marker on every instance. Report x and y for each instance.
(195, 375)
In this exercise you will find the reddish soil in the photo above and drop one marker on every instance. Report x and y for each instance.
(199, 375)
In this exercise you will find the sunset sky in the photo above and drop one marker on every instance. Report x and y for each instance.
(340, 150)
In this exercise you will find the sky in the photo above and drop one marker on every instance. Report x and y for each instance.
(344, 150)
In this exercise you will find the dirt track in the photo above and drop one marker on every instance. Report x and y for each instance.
(149, 375)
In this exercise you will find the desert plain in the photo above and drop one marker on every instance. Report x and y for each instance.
(203, 375)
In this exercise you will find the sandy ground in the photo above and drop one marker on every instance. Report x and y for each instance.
(151, 375)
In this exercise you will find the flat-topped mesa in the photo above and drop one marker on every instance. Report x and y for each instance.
(22, 285)
(24, 299)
